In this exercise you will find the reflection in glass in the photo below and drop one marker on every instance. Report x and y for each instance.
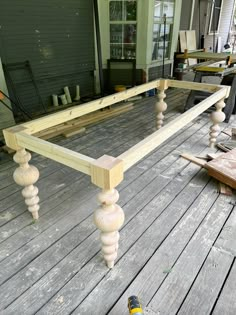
(162, 7)
(123, 32)
(116, 33)
(123, 10)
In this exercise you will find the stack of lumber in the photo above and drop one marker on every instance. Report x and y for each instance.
(78, 125)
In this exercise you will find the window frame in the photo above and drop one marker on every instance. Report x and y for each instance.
(159, 21)
(210, 32)
(123, 23)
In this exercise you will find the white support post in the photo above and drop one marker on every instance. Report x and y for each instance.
(26, 175)
(217, 117)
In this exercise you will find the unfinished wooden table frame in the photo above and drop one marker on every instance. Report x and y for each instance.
(107, 171)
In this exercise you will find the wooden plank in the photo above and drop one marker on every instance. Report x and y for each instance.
(73, 132)
(194, 159)
(191, 40)
(226, 303)
(83, 121)
(182, 41)
(198, 86)
(221, 168)
(191, 44)
(224, 168)
(208, 55)
(209, 69)
(227, 239)
(225, 189)
(80, 110)
(174, 289)
(55, 152)
(144, 147)
(207, 286)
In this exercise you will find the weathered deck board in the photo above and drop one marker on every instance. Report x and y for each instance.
(171, 294)
(226, 304)
(55, 266)
(227, 238)
(207, 286)
(160, 264)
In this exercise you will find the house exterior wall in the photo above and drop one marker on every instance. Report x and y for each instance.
(185, 15)
(57, 37)
(224, 26)
(201, 20)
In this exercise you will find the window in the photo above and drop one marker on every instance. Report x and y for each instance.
(162, 32)
(215, 16)
(123, 28)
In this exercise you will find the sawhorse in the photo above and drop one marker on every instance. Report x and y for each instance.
(228, 78)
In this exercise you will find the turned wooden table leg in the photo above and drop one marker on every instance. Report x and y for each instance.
(217, 117)
(107, 173)
(26, 175)
(109, 218)
(161, 105)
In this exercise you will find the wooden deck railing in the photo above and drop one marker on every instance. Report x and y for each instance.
(107, 171)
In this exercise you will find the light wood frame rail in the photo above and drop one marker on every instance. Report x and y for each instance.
(107, 171)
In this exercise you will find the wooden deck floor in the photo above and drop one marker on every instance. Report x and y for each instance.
(177, 247)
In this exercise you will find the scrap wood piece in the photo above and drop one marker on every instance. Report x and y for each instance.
(227, 146)
(194, 159)
(83, 121)
(222, 168)
(225, 189)
(233, 132)
(72, 132)
(212, 156)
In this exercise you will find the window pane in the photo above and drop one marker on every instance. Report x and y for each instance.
(130, 33)
(165, 33)
(215, 16)
(116, 10)
(116, 33)
(130, 10)
(162, 33)
(157, 9)
(116, 51)
(123, 41)
(123, 10)
(168, 9)
(159, 35)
